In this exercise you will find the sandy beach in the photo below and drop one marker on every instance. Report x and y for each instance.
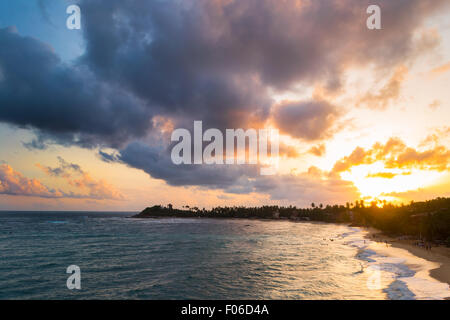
(440, 255)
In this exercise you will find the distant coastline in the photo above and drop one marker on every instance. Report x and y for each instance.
(427, 221)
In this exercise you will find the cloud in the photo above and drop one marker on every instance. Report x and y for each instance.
(441, 69)
(214, 61)
(435, 104)
(440, 135)
(63, 170)
(157, 163)
(95, 189)
(305, 188)
(107, 157)
(14, 183)
(386, 175)
(318, 150)
(312, 120)
(437, 159)
(395, 154)
(87, 187)
(388, 93)
(287, 151)
(67, 105)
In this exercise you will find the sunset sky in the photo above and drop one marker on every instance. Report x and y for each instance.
(86, 115)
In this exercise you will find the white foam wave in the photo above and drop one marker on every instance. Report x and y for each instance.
(404, 276)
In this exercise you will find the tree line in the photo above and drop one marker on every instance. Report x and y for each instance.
(428, 220)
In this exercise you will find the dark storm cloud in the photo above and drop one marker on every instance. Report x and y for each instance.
(214, 60)
(167, 53)
(182, 44)
(194, 59)
(107, 157)
(157, 163)
(63, 169)
(311, 120)
(65, 104)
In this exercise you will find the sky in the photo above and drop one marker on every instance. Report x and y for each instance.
(86, 115)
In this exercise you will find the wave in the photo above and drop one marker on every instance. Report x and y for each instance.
(400, 274)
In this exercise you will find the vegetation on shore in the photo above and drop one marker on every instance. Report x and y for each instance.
(429, 220)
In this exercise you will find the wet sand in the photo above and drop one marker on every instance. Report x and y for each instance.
(440, 255)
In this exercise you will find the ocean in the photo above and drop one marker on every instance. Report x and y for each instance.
(124, 258)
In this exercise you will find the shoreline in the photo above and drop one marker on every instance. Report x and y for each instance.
(439, 255)
(438, 258)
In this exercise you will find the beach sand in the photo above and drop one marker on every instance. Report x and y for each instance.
(440, 255)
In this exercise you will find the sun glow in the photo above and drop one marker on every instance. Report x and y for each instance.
(375, 182)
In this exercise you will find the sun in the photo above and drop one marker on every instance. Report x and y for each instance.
(376, 182)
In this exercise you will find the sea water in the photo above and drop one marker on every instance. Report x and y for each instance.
(124, 258)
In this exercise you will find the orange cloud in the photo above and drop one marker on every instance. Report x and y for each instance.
(435, 104)
(437, 159)
(14, 183)
(288, 151)
(76, 177)
(439, 134)
(95, 189)
(318, 150)
(386, 175)
(390, 92)
(396, 155)
(441, 69)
